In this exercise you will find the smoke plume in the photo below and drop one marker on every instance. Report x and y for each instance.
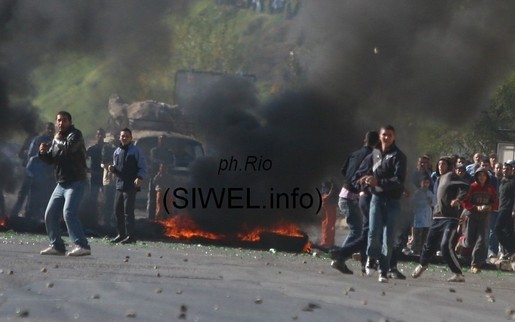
(129, 32)
(408, 59)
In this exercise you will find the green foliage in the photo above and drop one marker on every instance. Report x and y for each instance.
(209, 38)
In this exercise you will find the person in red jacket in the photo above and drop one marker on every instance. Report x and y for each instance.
(480, 201)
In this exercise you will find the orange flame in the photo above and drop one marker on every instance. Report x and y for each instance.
(183, 227)
(3, 223)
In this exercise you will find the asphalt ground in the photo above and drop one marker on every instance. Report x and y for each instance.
(167, 281)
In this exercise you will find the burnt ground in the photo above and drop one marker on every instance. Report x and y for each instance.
(165, 281)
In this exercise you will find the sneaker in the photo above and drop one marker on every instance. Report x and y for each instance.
(418, 271)
(128, 240)
(383, 278)
(395, 274)
(52, 251)
(458, 278)
(79, 251)
(371, 267)
(475, 269)
(341, 266)
(117, 239)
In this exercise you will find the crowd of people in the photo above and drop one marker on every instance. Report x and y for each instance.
(462, 211)
(55, 184)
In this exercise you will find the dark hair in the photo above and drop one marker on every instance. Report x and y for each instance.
(65, 114)
(372, 138)
(126, 129)
(101, 130)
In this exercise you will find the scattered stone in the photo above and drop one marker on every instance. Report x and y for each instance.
(50, 285)
(490, 298)
(22, 313)
(125, 260)
(258, 300)
(156, 267)
(488, 290)
(216, 308)
(184, 308)
(304, 262)
(321, 272)
(159, 290)
(158, 274)
(452, 290)
(130, 314)
(56, 266)
(310, 307)
(459, 299)
(185, 260)
(383, 293)
(95, 296)
(510, 313)
(10, 272)
(43, 270)
(182, 316)
(295, 318)
(179, 291)
(351, 289)
(364, 302)
(149, 255)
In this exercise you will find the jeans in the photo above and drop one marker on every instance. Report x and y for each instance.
(65, 201)
(359, 244)
(354, 219)
(384, 217)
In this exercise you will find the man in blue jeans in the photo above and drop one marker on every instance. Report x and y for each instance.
(67, 153)
(389, 167)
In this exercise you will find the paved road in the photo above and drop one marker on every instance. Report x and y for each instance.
(160, 281)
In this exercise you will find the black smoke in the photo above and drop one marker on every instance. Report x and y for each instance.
(300, 133)
(401, 60)
(130, 33)
(366, 64)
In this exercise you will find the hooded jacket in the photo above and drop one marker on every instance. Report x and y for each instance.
(478, 195)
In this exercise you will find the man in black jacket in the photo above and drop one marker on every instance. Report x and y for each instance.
(389, 167)
(67, 153)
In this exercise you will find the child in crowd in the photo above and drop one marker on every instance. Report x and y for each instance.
(421, 204)
(480, 201)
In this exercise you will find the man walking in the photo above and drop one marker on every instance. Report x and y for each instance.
(67, 153)
(387, 185)
(130, 168)
(451, 192)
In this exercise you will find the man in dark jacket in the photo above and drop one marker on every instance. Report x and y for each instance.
(130, 168)
(387, 186)
(67, 153)
(504, 225)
